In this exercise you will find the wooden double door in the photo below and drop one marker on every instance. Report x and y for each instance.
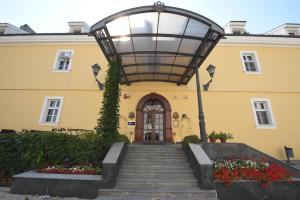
(153, 121)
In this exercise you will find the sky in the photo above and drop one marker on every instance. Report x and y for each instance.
(49, 16)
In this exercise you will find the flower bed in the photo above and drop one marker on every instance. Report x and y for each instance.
(78, 169)
(229, 170)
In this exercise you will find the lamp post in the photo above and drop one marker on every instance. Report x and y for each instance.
(203, 137)
(96, 68)
(211, 71)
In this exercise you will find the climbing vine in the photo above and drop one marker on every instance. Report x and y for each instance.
(108, 122)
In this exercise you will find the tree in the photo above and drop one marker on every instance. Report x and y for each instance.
(108, 122)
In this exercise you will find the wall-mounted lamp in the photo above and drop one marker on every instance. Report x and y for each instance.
(211, 71)
(175, 115)
(96, 68)
(289, 153)
(131, 115)
(126, 95)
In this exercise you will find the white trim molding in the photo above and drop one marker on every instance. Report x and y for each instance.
(55, 65)
(256, 62)
(244, 40)
(47, 39)
(266, 41)
(269, 110)
(42, 120)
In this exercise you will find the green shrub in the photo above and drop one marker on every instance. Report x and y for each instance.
(191, 139)
(122, 138)
(26, 151)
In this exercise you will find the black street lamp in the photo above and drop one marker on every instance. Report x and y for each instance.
(203, 137)
(211, 71)
(96, 68)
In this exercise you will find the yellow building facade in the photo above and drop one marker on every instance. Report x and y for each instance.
(259, 107)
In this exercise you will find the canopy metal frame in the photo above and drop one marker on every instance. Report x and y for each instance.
(104, 39)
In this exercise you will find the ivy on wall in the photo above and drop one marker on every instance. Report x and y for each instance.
(108, 122)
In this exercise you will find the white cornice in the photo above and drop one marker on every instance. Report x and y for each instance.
(90, 40)
(47, 39)
(260, 41)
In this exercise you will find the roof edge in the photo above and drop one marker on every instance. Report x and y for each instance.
(143, 9)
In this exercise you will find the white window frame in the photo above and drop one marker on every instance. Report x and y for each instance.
(42, 120)
(55, 65)
(270, 110)
(256, 61)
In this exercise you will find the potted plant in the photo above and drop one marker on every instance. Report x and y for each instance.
(224, 136)
(212, 137)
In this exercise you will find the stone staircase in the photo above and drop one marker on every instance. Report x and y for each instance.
(156, 172)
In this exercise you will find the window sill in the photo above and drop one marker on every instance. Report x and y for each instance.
(254, 73)
(61, 71)
(266, 127)
(48, 124)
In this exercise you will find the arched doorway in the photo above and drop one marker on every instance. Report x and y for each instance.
(153, 119)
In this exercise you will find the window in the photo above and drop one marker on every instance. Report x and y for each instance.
(263, 113)
(77, 31)
(292, 33)
(51, 110)
(63, 61)
(236, 32)
(250, 62)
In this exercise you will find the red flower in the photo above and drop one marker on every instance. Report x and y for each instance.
(258, 170)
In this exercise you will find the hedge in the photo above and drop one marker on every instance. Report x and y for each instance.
(26, 151)
(122, 138)
(190, 139)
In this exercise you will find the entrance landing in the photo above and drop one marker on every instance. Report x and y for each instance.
(152, 172)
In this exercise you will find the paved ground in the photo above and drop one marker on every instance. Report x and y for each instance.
(4, 195)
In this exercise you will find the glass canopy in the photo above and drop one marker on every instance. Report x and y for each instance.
(157, 43)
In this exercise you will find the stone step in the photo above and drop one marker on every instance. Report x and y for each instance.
(155, 187)
(176, 192)
(161, 149)
(142, 170)
(155, 147)
(190, 184)
(187, 171)
(153, 197)
(159, 160)
(147, 166)
(155, 156)
(156, 175)
(151, 162)
(143, 154)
